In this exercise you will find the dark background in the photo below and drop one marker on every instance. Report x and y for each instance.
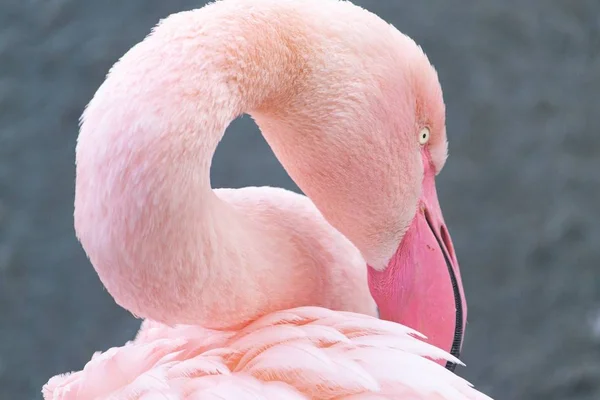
(520, 192)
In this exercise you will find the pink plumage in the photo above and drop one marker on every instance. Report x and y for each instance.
(303, 353)
(260, 293)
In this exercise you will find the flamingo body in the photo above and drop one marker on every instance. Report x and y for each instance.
(259, 293)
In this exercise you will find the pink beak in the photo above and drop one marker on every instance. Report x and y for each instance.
(421, 286)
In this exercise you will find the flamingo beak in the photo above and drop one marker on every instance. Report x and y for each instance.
(421, 286)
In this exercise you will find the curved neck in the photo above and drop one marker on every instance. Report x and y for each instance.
(147, 141)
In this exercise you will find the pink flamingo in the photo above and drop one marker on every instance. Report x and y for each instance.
(239, 287)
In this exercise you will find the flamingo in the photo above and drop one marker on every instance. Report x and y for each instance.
(260, 292)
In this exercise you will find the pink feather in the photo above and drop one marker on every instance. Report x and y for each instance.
(303, 353)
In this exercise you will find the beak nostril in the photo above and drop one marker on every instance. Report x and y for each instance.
(425, 212)
(444, 236)
(447, 241)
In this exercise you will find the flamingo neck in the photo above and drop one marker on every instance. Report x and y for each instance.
(163, 243)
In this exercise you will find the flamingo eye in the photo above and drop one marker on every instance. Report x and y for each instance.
(424, 136)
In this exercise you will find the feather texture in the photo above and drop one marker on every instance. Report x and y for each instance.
(303, 353)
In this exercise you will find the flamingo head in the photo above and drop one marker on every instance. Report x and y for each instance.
(420, 285)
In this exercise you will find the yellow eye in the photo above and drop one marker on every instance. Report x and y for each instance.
(424, 136)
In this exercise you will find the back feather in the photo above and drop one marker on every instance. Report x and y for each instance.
(302, 353)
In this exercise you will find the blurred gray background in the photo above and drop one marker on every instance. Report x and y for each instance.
(520, 192)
